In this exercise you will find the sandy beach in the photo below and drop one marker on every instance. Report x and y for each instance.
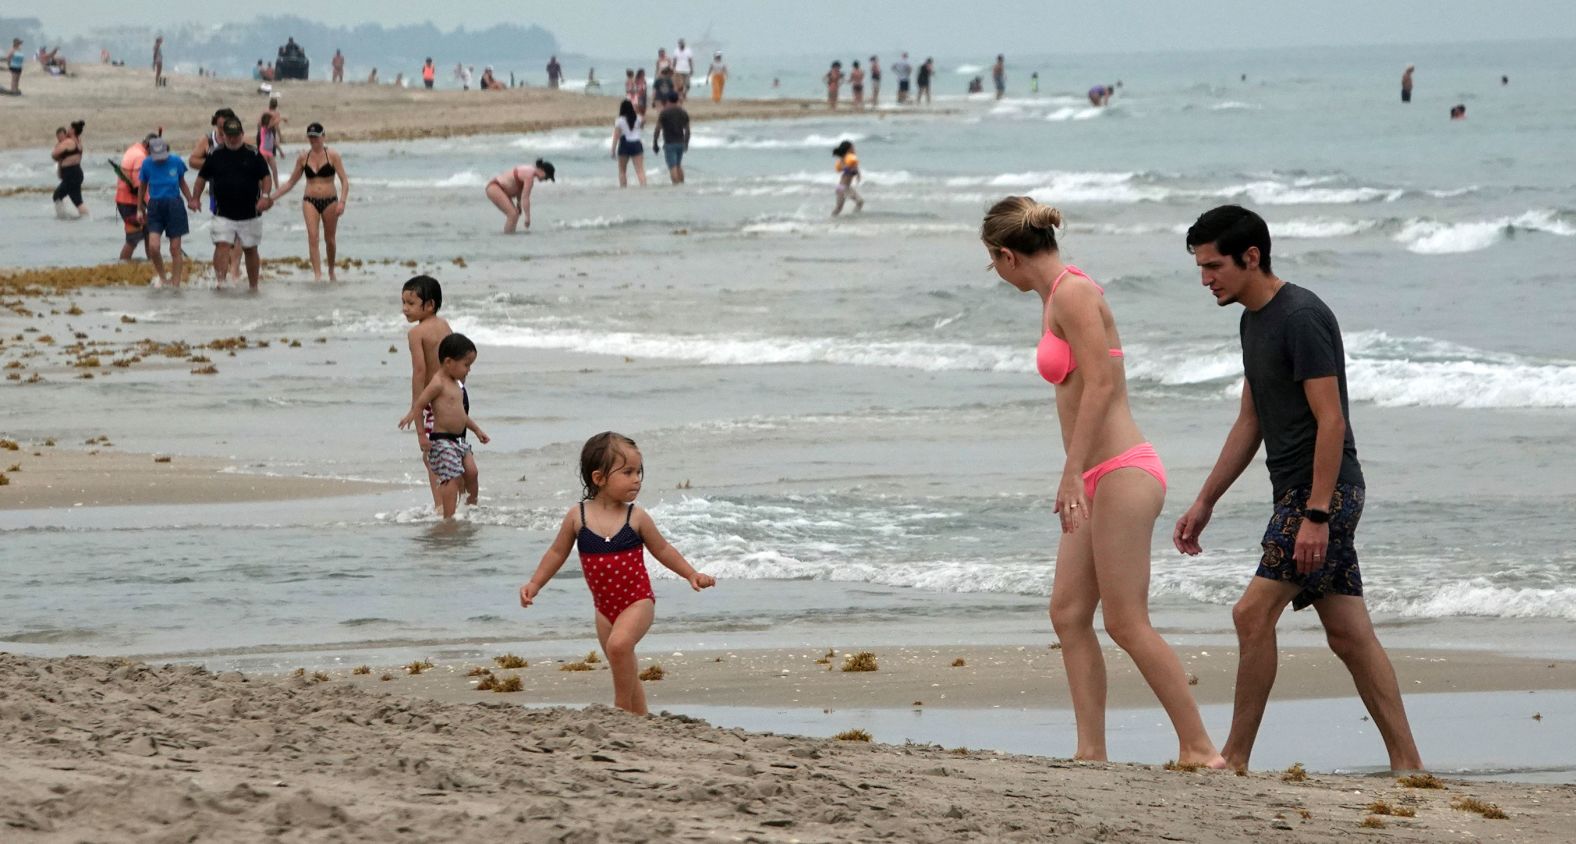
(99, 748)
(121, 104)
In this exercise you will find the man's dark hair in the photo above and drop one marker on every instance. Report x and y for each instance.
(427, 289)
(1232, 229)
(455, 346)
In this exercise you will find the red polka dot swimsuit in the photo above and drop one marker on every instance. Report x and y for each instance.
(614, 567)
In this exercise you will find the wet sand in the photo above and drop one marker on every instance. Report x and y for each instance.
(40, 476)
(121, 105)
(100, 749)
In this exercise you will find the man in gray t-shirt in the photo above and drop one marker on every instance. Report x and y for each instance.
(1293, 401)
(672, 136)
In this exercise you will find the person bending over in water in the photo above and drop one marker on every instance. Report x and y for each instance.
(321, 205)
(1112, 486)
(612, 535)
(848, 166)
(449, 456)
(68, 165)
(511, 191)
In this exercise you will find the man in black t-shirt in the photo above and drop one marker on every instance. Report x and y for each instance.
(672, 136)
(1294, 401)
(240, 179)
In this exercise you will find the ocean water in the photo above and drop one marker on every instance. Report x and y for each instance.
(841, 419)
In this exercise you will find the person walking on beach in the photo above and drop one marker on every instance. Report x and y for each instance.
(663, 88)
(875, 81)
(241, 184)
(511, 191)
(1112, 484)
(902, 68)
(68, 166)
(555, 73)
(321, 204)
(718, 75)
(1294, 401)
(162, 202)
(672, 137)
(613, 536)
(856, 86)
(127, 188)
(834, 81)
(16, 60)
(429, 74)
(158, 62)
(420, 299)
(663, 61)
(339, 65)
(447, 402)
(627, 145)
(683, 68)
(1406, 83)
(998, 75)
(205, 145)
(922, 81)
(848, 175)
(641, 93)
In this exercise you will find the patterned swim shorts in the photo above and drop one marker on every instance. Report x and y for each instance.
(1339, 575)
(447, 458)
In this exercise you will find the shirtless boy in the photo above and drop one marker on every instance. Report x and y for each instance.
(444, 401)
(420, 300)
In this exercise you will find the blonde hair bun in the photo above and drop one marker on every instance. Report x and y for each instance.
(1044, 217)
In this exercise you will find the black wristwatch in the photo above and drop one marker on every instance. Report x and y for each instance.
(1318, 517)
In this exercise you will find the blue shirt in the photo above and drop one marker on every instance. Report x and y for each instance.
(163, 178)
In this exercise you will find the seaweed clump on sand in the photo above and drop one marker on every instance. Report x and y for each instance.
(510, 661)
(862, 661)
(1472, 804)
(45, 280)
(574, 666)
(654, 672)
(1420, 781)
(852, 735)
(1296, 773)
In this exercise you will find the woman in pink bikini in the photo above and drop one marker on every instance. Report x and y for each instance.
(1112, 486)
(511, 191)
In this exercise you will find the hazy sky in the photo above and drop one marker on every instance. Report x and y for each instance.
(950, 27)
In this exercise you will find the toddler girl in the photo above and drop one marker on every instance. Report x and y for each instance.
(612, 535)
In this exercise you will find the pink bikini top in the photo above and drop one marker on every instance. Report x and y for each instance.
(1054, 357)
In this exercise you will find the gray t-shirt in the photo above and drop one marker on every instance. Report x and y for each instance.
(674, 125)
(1291, 339)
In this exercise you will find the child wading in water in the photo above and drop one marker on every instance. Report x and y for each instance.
(445, 399)
(420, 300)
(610, 531)
(848, 165)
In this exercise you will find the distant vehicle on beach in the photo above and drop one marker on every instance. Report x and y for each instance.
(292, 62)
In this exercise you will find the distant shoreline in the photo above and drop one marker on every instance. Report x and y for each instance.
(120, 105)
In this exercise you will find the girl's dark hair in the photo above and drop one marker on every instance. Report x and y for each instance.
(1232, 229)
(427, 289)
(1022, 225)
(455, 346)
(842, 149)
(77, 126)
(600, 454)
(626, 110)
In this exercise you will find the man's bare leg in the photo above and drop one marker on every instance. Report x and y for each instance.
(1350, 632)
(1255, 617)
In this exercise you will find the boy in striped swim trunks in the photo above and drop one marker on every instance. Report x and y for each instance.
(449, 455)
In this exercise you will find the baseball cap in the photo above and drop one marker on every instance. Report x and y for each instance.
(314, 130)
(232, 125)
(158, 149)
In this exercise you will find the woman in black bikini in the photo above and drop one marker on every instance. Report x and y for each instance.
(321, 202)
(68, 162)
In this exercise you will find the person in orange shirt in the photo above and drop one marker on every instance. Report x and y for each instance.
(127, 186)
(429, 72)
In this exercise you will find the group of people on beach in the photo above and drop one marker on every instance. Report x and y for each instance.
(153, 196)
(1111, 490)
(857, 77)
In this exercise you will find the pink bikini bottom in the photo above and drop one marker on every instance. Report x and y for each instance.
(1141, 456)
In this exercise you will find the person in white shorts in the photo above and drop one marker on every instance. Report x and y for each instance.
(241, 185)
